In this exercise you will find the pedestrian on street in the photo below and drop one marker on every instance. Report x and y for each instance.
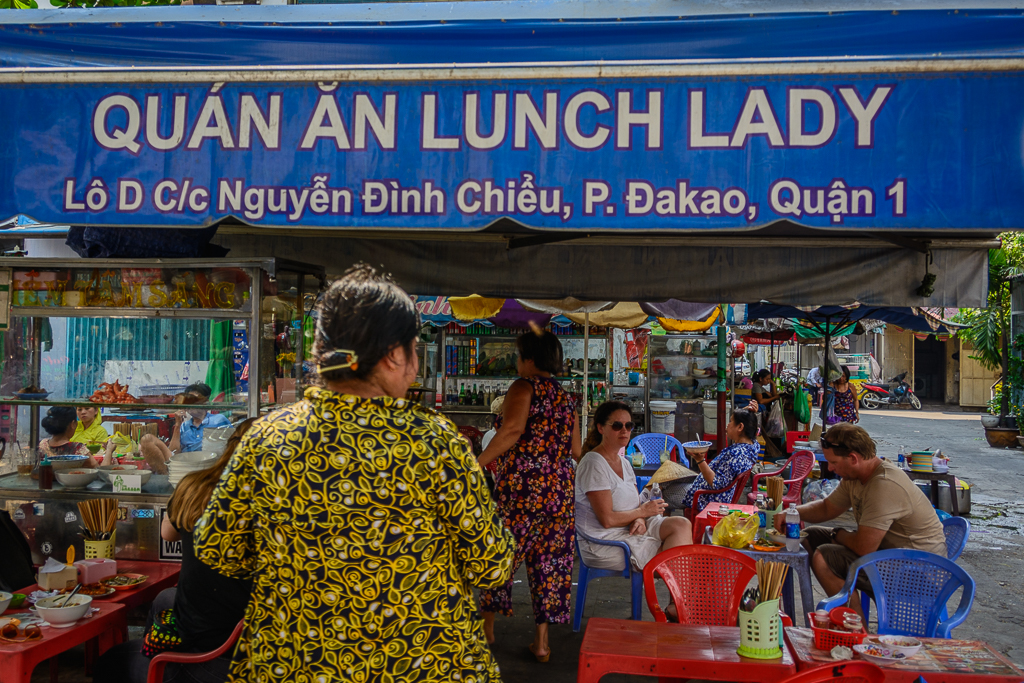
(845, 409)
(816, 382)
(891, 512)
(536, 442)
(361, 516)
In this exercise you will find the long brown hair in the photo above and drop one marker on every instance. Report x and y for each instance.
(193, 492)
(601, 415)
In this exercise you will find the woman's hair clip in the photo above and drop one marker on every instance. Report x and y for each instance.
(350, 361)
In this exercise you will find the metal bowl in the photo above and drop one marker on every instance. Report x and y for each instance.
(68, 462)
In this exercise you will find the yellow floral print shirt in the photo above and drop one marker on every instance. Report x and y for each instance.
(364, 523)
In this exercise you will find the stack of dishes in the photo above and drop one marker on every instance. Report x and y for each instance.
(185, 463)
(921, 461)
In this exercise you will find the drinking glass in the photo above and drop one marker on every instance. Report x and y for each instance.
(25, 459)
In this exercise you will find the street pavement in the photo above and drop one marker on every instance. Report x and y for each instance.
(994, 554)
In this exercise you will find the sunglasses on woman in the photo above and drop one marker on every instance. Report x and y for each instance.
(617, 426)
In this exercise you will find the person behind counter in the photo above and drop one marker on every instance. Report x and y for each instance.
(90, 430)
(739, 457)
(369, 507)
(763, 390)
(187, 432)
(60, 423)
(536, 441)
(202, 611)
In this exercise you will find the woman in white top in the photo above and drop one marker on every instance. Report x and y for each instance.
(608, 505)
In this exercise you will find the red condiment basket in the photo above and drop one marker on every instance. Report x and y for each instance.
(826, 639)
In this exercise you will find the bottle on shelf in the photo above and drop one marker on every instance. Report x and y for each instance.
(462, 394)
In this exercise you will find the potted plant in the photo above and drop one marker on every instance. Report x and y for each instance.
(988, 330)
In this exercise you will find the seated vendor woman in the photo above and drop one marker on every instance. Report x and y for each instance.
(732, 461)
(60, 423)
(90, 430)
(608, 505)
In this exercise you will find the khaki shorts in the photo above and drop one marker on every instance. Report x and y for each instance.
(837, 557)
(643, 547)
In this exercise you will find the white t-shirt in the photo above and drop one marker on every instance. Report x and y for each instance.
(593, 473)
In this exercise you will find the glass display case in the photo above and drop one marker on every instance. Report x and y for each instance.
(126, 337)
(682, 368)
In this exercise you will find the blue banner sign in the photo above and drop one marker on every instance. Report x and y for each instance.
(903, 151)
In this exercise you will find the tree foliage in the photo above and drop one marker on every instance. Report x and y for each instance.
(986, 326)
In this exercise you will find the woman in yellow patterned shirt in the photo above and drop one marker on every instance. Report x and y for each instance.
(363, 518)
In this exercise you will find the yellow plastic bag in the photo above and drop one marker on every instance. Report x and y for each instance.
(736, 530)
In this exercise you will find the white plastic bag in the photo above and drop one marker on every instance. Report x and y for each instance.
(774, 425)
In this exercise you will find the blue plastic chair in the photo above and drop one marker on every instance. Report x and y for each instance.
(652, 444)
(911, 589)
(957, 529)
(588, 574)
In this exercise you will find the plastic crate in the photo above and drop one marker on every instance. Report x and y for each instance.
(826, 639)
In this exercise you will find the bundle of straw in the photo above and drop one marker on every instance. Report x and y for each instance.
(99, 517)
(776, 489)
(770, 576)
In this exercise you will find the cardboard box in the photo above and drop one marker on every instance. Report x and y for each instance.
(92, 570)
(286, 390)
(65, 578)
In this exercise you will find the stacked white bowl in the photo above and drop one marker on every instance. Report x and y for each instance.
(185, 463)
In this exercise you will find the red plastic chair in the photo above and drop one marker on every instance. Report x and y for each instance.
(737, 485)
(853, 672)
(157, 664)
(706, 583)
(802, 462)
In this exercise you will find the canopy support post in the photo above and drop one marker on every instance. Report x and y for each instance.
(720, 439)
(586, 374)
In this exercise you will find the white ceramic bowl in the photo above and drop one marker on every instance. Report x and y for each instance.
(903, 644)
(78, 605)
(76, 479)
(792, 544)
(107, 472)
(68, 462)
(5, 600)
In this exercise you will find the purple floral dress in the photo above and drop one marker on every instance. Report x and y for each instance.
(535, 496)
(844, 409)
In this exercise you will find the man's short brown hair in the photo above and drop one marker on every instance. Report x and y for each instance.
(845, 438)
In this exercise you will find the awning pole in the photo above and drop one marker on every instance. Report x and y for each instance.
(720, 439)
(586, 374)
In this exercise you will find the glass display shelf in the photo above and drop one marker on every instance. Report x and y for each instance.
(125, 407)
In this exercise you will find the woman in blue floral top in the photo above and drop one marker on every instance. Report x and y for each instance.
(733, 461)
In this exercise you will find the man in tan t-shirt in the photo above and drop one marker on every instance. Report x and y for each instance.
(891, 512)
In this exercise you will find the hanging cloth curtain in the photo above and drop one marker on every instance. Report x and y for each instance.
(220, 375)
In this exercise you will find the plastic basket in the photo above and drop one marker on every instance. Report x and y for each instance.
(100, 549)
(826, 639)
(761, 632)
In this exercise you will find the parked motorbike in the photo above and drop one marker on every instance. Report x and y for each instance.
(897, 391)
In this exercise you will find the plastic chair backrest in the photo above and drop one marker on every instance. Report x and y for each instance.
(957, 529)
(706, 583)
(852, 672)
(652, 444)
(155, 673)
(911, 589)
(801, 464)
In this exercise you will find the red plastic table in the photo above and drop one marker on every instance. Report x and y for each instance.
(941, 660)
(647, 648)
(704, 521)
(19, 659)
(161, 575)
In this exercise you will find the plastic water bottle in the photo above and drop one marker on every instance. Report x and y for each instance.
(762, 518)
(901, 459)
(792, 525)
(655, 491)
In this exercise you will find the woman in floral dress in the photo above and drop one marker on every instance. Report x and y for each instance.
(361, 516)
(845, 408)
(536, 440)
